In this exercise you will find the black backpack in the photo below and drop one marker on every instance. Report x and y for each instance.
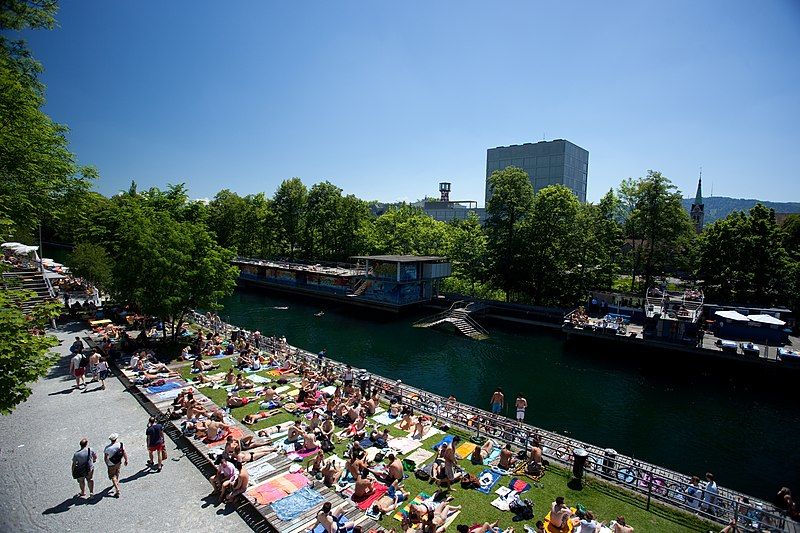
(118, 455)
(84, 361)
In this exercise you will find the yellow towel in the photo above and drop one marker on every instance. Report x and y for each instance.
(465, 450)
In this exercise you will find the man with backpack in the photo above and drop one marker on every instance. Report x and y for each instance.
(83, 467)
(77, 367)
(115, 454)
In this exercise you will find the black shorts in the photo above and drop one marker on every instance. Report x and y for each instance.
(348, 382)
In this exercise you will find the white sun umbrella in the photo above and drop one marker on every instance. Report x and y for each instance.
(11, 244)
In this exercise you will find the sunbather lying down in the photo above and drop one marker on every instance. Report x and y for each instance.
(248, 456)
(255, 417)
(480, 453)
(249, 442)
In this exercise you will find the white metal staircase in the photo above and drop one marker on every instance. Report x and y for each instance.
(459, 318)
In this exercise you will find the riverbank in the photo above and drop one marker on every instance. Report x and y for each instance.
(688, 417)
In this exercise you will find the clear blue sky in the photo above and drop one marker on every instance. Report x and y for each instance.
(386, 99)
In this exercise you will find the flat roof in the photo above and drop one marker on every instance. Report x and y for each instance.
(401, 258)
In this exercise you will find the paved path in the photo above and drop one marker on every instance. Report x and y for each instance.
(36, 446)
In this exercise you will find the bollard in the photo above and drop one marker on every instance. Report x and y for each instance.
(609, 461)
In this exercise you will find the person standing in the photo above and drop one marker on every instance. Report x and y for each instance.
(497, 401)
(77, 369)
(521, 405)
(94, 359)
(710, 493)
(321, 357)
(83, 467)
(115, 454)
(155, 443)
(348, 377)
(102, 371)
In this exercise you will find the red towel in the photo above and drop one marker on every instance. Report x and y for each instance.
(378, 490)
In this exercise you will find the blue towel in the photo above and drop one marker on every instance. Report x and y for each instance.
(164, 388)
(447, 439)
(488, 479)
(492, 456)
(297, 503)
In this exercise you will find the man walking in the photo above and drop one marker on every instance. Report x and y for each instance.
(497, 401)
(521, 404)
(155, 443)
(83, 467)
(78, 369)
(114, 455)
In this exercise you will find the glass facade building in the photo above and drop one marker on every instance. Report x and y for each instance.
(557, 162)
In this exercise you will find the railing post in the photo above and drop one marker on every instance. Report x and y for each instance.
(649, 488)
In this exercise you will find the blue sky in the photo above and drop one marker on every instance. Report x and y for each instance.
(386, 99)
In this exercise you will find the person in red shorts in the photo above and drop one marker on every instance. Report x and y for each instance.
(77, 367)
(155, 443)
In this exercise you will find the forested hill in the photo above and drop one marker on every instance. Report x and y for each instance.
(721, 206)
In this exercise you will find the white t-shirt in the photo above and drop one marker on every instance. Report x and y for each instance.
(134, 361)
(588, 526)
(109, 452)
(76, 361)
(102, 366)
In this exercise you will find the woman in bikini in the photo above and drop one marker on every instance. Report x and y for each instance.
(255, 417)
(239, 401)
(480, 453)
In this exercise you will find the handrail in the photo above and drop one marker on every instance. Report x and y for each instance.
(654, 482)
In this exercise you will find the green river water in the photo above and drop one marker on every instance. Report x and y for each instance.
(743, 428)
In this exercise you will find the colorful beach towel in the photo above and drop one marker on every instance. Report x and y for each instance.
(278, 487)
(295, 504)
(164, 396)
(403, 511)
(465, 450)
(447, 439)
(236, 432)
(379, 489)
(494, 456)
(487, 479)
(301, 454)
(170, 385)
(259, 469)
(518, 485)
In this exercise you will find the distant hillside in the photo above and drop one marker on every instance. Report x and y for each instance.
(718, 207)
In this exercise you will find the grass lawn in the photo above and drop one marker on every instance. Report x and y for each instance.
(604, 499)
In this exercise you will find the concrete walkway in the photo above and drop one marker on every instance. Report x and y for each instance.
(37, 492)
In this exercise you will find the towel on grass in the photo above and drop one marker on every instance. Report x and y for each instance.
(447, 439)
(505, 495)
(430, 433)
(329, 390)
(301, 454)
(487, 479)
(465, 450)
(234, 431)
(278, 487)
(258, 379)
(383, 419)
(378, 490)
(404, 445)
(169, 385)
(420, 456)
(295, 504)
(493, 456)
(403, 511)
(371, 452)
(282, 388)
(518, 485)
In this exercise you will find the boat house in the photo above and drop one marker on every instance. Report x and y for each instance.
(672, 316)
(387, 282)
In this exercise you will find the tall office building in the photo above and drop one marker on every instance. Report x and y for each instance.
(546, 162)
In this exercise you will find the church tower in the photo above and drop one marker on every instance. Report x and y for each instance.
(697, 212)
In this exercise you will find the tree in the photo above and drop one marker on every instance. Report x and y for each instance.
(791, 235)
(38, 171)
(24, 354)
(225, 219)
(290, 207)
(170, 267)
(553, 259)
(511, 202)
(657, 226)
(323, 208)
(408, 230)
(468, 251)
(92, 262)
(742, 259)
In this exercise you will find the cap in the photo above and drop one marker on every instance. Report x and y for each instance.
(113, 436)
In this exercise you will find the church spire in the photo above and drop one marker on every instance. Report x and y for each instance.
(698, 208)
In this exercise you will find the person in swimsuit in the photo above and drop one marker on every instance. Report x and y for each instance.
(330, 473)
(480, 453)
(255, 417)
(329, 518)
(621, 527)
(559, 513)
(239, 486)
(506, 458)
(521, 404)
(497, 401)
(239, 401)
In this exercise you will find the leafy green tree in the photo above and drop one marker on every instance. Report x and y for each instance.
(657, 227)
(170, 267)
(322, 215)
(468, 251)
(24, 353)
(38, 171)
(408, 230)
(290, 208)
(551, 253)
(510, 204)
(791, 235)
(92, 262)
(353, 224)
(742, 259)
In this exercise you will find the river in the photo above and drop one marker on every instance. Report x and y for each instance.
(740, 427)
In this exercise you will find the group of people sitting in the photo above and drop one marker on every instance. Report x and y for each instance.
(561, 517)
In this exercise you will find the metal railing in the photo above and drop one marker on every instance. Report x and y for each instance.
(653, 482)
